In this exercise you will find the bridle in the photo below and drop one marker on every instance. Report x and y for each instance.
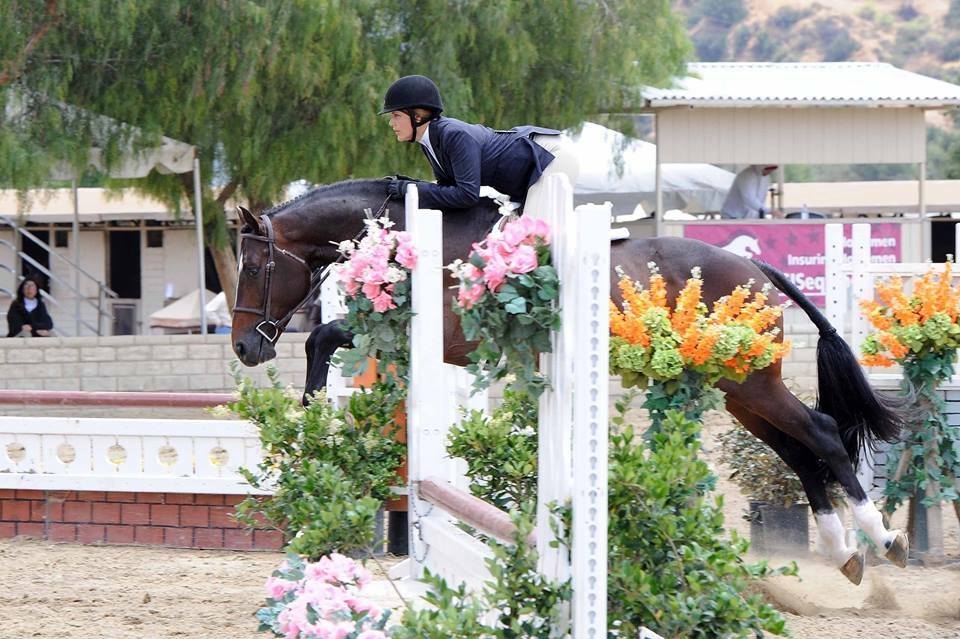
(268, 327)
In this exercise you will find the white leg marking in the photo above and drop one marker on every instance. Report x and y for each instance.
(832, 541)
(870, 521)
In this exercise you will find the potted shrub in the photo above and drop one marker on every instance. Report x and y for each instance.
(778, 512)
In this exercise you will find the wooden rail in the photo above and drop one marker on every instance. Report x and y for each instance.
(471, 510)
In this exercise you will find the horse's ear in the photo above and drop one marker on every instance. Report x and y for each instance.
(249, 219)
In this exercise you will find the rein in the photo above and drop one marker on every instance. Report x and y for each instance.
(269, 328)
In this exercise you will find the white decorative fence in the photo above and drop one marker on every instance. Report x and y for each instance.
(126, 455)
(573, 415)
(847, 284)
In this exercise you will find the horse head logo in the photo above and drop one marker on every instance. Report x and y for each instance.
(744, 245)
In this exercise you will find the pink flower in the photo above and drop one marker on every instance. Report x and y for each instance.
(495, 272)
(470, 295)
(524, 259)
(277, 588)
(515, 232)
(371, 290)
(536, 227)
(372, 634)
(406, 256)
(383, 302)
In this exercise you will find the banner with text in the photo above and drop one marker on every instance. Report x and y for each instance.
(795, 249)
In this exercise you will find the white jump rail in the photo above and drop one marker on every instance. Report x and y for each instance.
(847, 285)
(573, 416)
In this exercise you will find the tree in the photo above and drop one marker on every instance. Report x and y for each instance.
(271, 91)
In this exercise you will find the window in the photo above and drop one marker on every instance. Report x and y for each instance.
(61, 239)
(154, 239)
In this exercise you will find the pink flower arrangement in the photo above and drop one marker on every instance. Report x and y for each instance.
(376, 263)
(321, 600)
(509, 252)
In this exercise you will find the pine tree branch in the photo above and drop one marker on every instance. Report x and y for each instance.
(14, 67)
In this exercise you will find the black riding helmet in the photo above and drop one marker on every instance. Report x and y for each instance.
(412, 92)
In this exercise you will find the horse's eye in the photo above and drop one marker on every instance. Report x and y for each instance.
(253, 271)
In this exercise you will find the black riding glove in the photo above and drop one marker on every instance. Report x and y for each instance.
(397, 189)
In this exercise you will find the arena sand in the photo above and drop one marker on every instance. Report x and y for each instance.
(60, 591)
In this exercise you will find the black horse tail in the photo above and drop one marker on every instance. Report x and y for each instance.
(862, 414)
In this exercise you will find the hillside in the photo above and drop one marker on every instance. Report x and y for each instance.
(919, 35)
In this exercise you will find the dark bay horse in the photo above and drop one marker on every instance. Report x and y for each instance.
(288, 244)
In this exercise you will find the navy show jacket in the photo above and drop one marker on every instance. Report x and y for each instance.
(472, 155)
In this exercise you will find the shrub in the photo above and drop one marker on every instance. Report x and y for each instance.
(500, 451)
(786, 17)
(765, 47)
(672, 566)
(329, 470)
(710, 45)
(758, 471)
(950, 52)
(722, 12)
(526, 604)
(867, 12)
(741, 38)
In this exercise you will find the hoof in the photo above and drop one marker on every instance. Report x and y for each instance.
(853, 569)
(898, 550)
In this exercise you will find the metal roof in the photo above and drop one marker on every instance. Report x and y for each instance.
(799, 84)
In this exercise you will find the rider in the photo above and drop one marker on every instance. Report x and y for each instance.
(465, 156)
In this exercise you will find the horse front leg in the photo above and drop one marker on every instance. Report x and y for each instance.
(324, 340)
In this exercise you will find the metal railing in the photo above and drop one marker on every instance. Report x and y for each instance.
(103, 310)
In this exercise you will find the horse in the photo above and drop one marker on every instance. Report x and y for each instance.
(284, 249)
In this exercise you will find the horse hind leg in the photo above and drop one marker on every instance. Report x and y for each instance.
(831, 534)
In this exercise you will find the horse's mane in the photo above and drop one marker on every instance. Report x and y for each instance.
(348, 186)
(378, 188)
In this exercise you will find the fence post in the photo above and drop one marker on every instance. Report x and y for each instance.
(837, 284)
(554, 481)
(862, 281)
(591, 421)
(427, 419)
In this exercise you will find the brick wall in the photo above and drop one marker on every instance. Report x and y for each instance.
(137, 363)
(149, 519)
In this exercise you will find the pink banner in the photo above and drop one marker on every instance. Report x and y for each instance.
(795, 249)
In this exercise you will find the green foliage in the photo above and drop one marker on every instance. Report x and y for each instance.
(500, 451)
(710, 45)
(329, 470)
(672, 567)
(867, 12)
(836, 42)
(929, 452)
(952, 18)
(758, 471)
(271, 92)
(786, 16)
(951, 50)
(723, 12)
(526, 604)
(765, 47)
(513, 326)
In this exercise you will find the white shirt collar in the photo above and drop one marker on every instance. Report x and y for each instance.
(425, 141)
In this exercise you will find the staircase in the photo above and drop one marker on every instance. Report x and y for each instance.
(103, 321)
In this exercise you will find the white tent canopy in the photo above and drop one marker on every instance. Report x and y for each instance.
(182, 314)
(622, 170)
(169, 156)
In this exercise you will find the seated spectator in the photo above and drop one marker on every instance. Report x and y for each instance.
(27, 316)
(747, 198)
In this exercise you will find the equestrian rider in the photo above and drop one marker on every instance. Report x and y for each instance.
(465, 156)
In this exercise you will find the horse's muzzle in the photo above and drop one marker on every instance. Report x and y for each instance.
(257, 352)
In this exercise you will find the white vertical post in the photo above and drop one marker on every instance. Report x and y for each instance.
(836, 285)
(658, 181)
(591, 392)
(426, 405)
(555, 447)
(956, 243)
(75, 233)
(333, 307)
(862, 282)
